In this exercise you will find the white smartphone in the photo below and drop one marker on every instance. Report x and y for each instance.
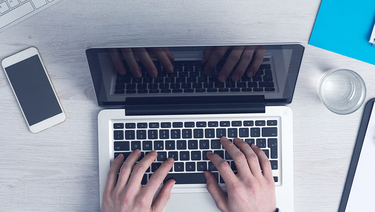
(33, 89)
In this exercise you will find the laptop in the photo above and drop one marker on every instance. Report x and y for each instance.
(183, 113)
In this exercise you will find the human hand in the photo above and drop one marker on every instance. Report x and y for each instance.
(249, 190)
(130, 54)
(128, 194)
(238, 61)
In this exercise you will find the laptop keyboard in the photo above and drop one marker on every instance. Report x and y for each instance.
(188, 142)
(188, 77)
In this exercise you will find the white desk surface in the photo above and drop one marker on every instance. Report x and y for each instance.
(57, 170)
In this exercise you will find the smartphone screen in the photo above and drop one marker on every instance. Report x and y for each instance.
(33, 90)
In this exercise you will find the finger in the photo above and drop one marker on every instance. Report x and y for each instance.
(238, 157)
(245, 60)
(126, 169)
(132, 63)
(256, 61)
(264, 162)
(216, 192)
(112, 174)
(145, 58)
(231, 62)
(139, 170)
(169, 55)
(163, 197)
(252, 158)
(215, 58)
(157, 178)
(223, 167)
(207, 54)
(116, 58)
(162, 57)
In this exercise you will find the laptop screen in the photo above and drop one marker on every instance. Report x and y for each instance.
(251, 74)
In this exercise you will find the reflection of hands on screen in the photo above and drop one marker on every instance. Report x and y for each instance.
(237, 61)
(132, 54)
(252, 188)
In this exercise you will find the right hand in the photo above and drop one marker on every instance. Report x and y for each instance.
(251, 189)
(161, 54)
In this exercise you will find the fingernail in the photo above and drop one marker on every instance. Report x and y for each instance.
(170, 69)
(154, 73)
(120, 156)
(222, 78)
(235, 78)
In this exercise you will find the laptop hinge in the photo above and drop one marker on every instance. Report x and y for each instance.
(194, 109)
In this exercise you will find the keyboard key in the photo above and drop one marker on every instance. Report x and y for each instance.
(210, 133)
(164, 134)
(118, 135)
(147, 145)
(255, 132)
(190, 166)
(267, 152)
(179, 167)
(121, 146)
(276, 179)
(248, 123)
(186, 178)
(272, 144)
(202, 166)
(192, 144)
(181, 144)
(196, 155)
(173, 154)
(269, 131)
(250, 141)
(158, 145)
(175, 134)
(189, 124)
(220, 132)
(272, 123)
(213, 124)
(166, 125)
(177, 125)
(232, 132)
(154, 125)
(135, 145)
(236, 123)
(141, 134)
(155, 166)
(162, 156)
(224, 124)
(274, 164)
(204, 155)
(204, 144)
(170, 145)
(118, 126)
(152, 134)
(201, 124)
(142, 125)
(261, 143)
(244, 132)
(130, 125)
(129, 134)
(260, 123)
(184, 155)
(198, 133)
(227, 156)
(211, 167)
(186, 133)
(126, 154)
(215, 144)
(220, 153)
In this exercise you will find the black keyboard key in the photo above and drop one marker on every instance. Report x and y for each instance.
(227, 156)
(202, 166)
(155, 166)
(178, 124)
(164, 134)
(129, 134)
(267, 152)
(225, 124)
(173, 154)
(121, 146)
(184, 155)
(255, 132)
(186, 133)
(135, 145)
(196, 155)
(162, 156)
(118, 126)
(210, 133)
(175, 133)
(181, 144)
(152, 134)
(220, 132)
(192, 144)
(250, 141)
(220, 153)
(211, 167)
(179, 167)
(232, 132)
(190, 166)
(166, 125)
(198, 133)
(274, 164)
(186, 178)
(248, 123)
(204, 155)
(170, 145)
(204, 144)
(154, 125)
(269, 131)
(261, 143)
(236, 123)
(276, 179)
(244, 132)
(147, 145)
(213, 124)
(233, 166)
(201, 124)
(126, 154)
(141, 134)
(260, 123)
(272, 144)
(144, 180)
(215, 144)
(142, 125)
(272, 122)
(130, 125)
(118, 135)
(189, 124)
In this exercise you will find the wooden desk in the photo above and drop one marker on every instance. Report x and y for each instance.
(57, 170)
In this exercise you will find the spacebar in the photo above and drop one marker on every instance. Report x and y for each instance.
(187, 178)
(15, 14)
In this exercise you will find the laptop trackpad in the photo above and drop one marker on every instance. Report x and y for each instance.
(201, 201)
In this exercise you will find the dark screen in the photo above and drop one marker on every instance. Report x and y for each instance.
(33, 90)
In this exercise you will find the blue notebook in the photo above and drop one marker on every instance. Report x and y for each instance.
(344, 27)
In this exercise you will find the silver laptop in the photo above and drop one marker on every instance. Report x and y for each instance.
(184, 113)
